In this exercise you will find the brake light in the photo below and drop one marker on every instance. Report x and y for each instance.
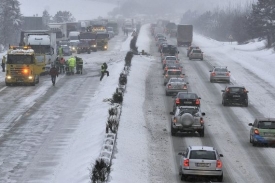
(219, 164)
(227, 74)
(227, 90)
(184, 87)
(201, 121)
(197, 101)
(169, 86)
(186, 162)
(256, 132)
(166, 75)
(177, 101)
(213, 74)
(174, 120)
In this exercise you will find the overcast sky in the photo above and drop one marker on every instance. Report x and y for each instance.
(81, 9)
(89, 9)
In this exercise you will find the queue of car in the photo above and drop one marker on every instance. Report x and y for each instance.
(188, 117)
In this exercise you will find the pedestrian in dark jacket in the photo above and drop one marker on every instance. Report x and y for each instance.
(104, 67)
(54, 74)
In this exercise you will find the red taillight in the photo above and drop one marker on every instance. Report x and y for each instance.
(213, 74)
(227, 74)
(219, 164)
(174, 120)
(186, 162)
(197, 101)
(256, 132)
(166, 75)
(177, 101)
(169, 86)
(201, 121)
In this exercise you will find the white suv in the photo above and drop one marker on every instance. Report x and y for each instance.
(201, 161)
(196, 54)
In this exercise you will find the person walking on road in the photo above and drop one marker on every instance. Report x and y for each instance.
(60, 52)
(72, 64)
(3, 64)
(54, 74)
(104, 67)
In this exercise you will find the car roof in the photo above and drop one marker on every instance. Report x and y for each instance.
(173, 70)
(170, 56)
(208, 148)
(220, 67)
(265, 119)
(189, 107)
(235, 86)
(187, 92)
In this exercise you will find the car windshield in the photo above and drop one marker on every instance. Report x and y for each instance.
(102, 36)
(221, 69)
(236, 90)
(83, 44)
(174, 80)
(267, 124)
(188, 96)
(202, 154)
(171, 58)
(20, 59)
(174, 72)
(196, 51)
(192, 111)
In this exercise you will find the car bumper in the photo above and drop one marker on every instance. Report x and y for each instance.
(264, 140)
(202, 172)
(220, 78)
(195, 57)
(180, 127)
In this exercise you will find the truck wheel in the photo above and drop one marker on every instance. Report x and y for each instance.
(220, 178)
(8, 84)
(173, 132)
(183, 177)
(37, 81)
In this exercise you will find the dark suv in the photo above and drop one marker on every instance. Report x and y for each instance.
(234, 95)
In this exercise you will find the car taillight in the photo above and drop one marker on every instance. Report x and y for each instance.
(184, 87)
(169, 86)
(197, 101)
(219, 164)
(256, 132)
(227, 90)
(166, 75)
(213, 74)
(201, 121)
(227, 74)
(174, 120)
(181, 75)
(177, 101)
(186, 162)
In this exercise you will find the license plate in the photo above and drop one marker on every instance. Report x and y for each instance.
(269, 134)
(236, 95)
(187, 102)
(203, 164)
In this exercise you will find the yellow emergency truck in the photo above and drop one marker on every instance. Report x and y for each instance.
(23, 66)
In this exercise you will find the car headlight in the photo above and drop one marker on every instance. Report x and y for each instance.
(30, 77)
(105, 47)
(93, 45)
(73, 48)
(8, 77)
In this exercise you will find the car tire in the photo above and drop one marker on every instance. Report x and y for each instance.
(246, 104)
(202, 59)
(220, 178)
(173, 132)
(201, 133)
(211, 81)
(190, 58)
(250, 139)
(183, 177)
(164, 84)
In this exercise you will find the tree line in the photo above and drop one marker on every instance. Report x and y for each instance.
(11, 20)
(255, 20)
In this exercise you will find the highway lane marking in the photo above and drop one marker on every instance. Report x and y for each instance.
(3, 88)
(18, 118)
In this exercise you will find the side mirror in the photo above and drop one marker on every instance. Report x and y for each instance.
(250, 124)
(221, 155)
(223, 90)
(203, 113)
(181, 154)
(172, 113)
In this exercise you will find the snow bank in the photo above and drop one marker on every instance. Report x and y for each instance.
(143, 42)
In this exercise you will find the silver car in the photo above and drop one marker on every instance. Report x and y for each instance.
(196, 54)
(175, 85)
(201, 161)
(220, 74)
(169, 60)
(172, 73)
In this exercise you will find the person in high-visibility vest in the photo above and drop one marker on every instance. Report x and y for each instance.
(72, 63)
(79, 65)
(60, 52)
